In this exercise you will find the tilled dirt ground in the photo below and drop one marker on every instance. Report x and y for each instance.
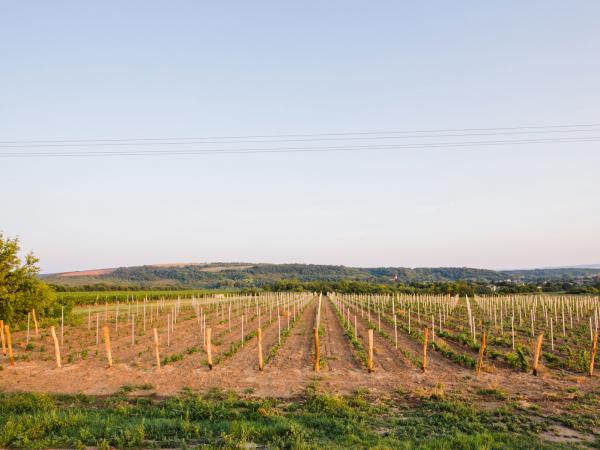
(286, 374)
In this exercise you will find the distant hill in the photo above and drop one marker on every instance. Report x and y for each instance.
(241, 275)
(579, 266)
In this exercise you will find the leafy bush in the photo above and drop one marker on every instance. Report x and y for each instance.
(518, 359)
(20, 288)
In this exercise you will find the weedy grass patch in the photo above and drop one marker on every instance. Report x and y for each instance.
(219, 419)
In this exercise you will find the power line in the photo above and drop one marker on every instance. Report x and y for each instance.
(426, 145)
(139, 143)
(515, 129)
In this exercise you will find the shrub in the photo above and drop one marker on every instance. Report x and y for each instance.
(20, 288)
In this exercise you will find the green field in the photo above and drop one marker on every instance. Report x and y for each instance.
(135, 417)
(101, 297)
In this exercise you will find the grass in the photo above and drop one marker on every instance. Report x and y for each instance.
(225, 420)
(172, 358)
(496, 393)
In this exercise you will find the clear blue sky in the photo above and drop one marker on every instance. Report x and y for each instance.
(149, 69)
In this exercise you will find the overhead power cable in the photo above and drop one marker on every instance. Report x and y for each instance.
(126, 143)
(421, 145)
(345, 135)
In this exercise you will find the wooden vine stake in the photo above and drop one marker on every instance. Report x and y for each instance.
(97, 328)
(425, 337)
(551, 334)
(209, 349)
(35, 323)
(593, 354)
(481, 353)
(11, 358)
(370, 360)
(395, 332)
(2, 337)
(169, 331)
(260, 356)
(56, 347)
(156, 349)
(537, 352)
(316, 335)
(106, 335)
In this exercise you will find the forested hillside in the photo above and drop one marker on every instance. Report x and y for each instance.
(245, 275)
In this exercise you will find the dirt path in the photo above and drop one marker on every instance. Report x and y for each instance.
(407, 370)
(385, 357)
(435, 362)
(336, 348)
(296, 354)
(246, 358)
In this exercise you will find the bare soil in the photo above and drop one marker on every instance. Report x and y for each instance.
(287, 374)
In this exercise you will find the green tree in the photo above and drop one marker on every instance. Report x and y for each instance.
(20, 288)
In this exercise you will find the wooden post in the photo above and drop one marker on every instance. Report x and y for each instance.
(169, 331)
(278, 328)
(537, 352)
(133, 330)
(551, 334)
(9, 345)
(512, 330)
(208, 349)
(35, 323)
(481, 353)
(62, 325)
(156, 349)
(106, 335)
(395, 332)
(593, 354)
(370, 360)
(260, 358)
(2, 337)
(425, 337)
(56, 347)
(117, 318)
(316, 339)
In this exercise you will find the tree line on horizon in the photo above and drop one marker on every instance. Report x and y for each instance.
(22, 289)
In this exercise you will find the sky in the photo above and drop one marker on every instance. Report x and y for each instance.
(186, 69)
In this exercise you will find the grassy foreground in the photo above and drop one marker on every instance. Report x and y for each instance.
(135, 418)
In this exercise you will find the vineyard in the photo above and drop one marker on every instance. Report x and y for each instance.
(276, 344)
